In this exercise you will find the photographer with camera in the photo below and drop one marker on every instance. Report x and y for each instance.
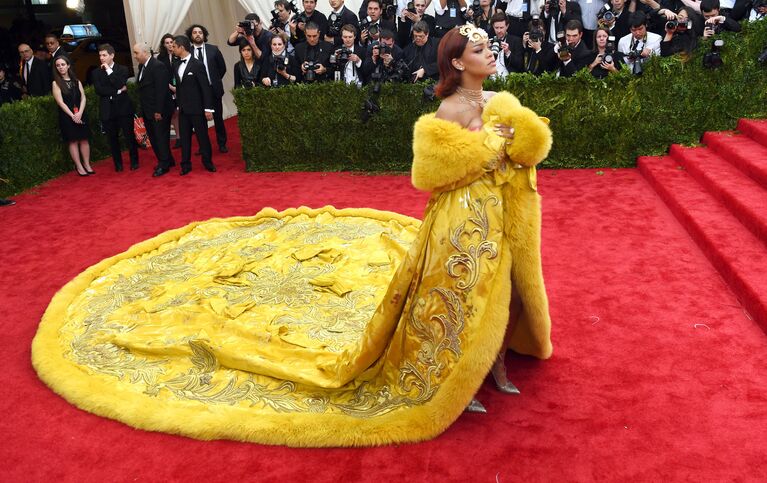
(539, 56)
(606, 58)
(506, 48)
(389, 10)
(339, 17)
(614, 16)
(590, 10)
(346, 61)
(520, 12)
(680, 34)
(714, 21)
(313, 56)
(414, 12)
(282, 20)
(279, 67)
(247, 71)
(371, 25)
(421, 55)
(447, 15)
(752, 10)
(251, 31)
(480, 12)
(382, 60)
(571, 51)
(309, 15)
(557, 14)
(640, 44)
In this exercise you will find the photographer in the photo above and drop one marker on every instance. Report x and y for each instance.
(573, 54)
(507, 48)
(282, 20)
(410, 17)
(247, 71)
(714, 21)
(346, 61)
(310, 15)
(389, 10)
(481, 12)
(679, 35)
(520, 12)
(251, 31)
(339, 17)
(370, 26)
(614, 16)
(557, 14)
(421, 55)
(590, 10)
(640, 44)
(279, 67)
(751, 10)
(381, 58)
(448, 14)
(313, 56)
(606, 58)
(539, 56)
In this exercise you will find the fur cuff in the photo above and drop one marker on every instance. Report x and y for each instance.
(447, 156)
(532, 136)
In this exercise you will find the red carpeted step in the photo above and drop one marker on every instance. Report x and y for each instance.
(756, 129)
(738, 255)
(742, 151)
(745, 198)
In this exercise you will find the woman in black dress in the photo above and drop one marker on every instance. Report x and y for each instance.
(248, 69)
(166, 57)
(279, 68)
(69, 95)
(606, 58)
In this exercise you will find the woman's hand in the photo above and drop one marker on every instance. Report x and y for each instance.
(266, 81)
(505, 132)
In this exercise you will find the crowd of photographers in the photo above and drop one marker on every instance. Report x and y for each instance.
(396, 40)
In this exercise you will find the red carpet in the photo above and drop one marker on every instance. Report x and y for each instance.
(658, 373)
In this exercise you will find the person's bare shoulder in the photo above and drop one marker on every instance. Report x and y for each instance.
(449, 111)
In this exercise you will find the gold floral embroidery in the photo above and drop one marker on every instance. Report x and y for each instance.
(468, 258)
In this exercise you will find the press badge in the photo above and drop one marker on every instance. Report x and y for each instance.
(525, 7)
(453, 12)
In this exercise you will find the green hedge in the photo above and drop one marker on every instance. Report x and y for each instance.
(596, 123)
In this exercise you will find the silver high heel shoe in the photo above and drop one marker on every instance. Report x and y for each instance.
(475, 407)
(505, 387)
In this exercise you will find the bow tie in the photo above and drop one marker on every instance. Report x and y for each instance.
(183, 61)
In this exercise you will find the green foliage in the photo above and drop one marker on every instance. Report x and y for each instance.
(596, 123)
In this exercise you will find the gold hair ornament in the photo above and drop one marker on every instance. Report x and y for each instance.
(473, 33)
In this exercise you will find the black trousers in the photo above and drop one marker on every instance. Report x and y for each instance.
(196, 122)
(218, 120)
(112, 127)
(159, 136)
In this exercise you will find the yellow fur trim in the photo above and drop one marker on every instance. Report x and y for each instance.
(447, 156)
(532, 136)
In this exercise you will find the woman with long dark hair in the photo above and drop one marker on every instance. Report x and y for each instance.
(70, 96)
(607, 58)
(165, 55)
(247, 70)
(680, 34)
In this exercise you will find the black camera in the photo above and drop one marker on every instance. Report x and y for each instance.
(411, 7)
(247, 26)
(372, 27)
(248, 84)
(276, 22)
(553, 7)
(388, 9)
(609, 50)
(715, 28)
(399, 72)
(564, 47)
(678, 26)
(335, 22)
(280, 62)
(536, 35)
(635, 55)
(341, 56)
(713, 59)
(311, 67)
(495, 46)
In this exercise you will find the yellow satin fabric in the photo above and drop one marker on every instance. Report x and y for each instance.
(306, 327)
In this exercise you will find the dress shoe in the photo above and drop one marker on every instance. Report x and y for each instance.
(185, 171)
(134, 167)
(503, 384)
(4, 202)
(159, 172)
(475, 407)
(211, 168)
(223, 149)
(118, 168)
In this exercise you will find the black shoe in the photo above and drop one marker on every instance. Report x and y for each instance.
(4, 202)
(211, 168)
(91, 172)
(82, 174)
(159, 172)
(223, 149)
(118, 168)
(185, 171)
(177, 145)
(133, 166)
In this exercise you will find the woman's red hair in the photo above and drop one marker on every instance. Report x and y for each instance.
(451, 47)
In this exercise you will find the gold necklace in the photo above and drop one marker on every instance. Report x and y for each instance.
(471, 97)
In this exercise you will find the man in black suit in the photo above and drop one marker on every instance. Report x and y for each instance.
(54, 48)
(421, 55)
(115, 107)
(372, 24)
(408, 19)
(339, 16)
(579, 55)
(156, 105)
(215, 68)
(34, 73)
(195, 104)
(381, 59)
(312, 16)
(555, 21)
(316, 51)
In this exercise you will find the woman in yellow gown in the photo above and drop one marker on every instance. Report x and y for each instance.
(325, 327)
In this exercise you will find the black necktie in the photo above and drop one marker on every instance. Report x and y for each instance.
(199, 54)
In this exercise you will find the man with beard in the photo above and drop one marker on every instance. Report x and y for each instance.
(312, 15)
(215, 68)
